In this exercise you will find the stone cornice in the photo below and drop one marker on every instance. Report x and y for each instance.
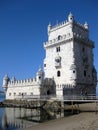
(80, 40)
(47, 45)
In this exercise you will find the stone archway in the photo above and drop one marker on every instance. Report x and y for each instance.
(48, 92)
(48, 87)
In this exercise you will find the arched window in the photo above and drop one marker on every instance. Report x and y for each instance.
(83, 49)
(59, 37)
(58, 73)
(73, 71)
(48, 92)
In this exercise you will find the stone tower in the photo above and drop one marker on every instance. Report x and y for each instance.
(69, 58)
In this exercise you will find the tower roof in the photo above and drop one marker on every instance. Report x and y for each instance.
(13, 78)
(86, 25)
(71, 15)
(6, 77)
(40, 71)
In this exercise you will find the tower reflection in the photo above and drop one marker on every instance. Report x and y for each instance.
(22, 117)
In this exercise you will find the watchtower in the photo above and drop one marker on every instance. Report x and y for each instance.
(69, 57)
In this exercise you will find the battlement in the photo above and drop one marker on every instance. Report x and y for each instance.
(82, 26)
(28, 82)
(60, 25)
(66, 23)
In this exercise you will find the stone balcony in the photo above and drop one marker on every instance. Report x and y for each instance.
(57, 41)
(67, 37)
(57, 65)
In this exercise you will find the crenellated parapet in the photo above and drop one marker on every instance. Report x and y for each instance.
(82, 26)
(59, 25)
(66, 23)
(66, 31)
(31, 81)
(7, 82)
(70, 21)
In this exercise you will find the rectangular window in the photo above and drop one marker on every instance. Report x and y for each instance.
(58, 73)
(84, 73)
(44, 65)
(58, 49)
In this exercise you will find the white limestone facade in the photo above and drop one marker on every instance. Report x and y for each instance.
(69, 58)
(21, 89)
(68, 64)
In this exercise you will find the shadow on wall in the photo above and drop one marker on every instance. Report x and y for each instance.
(97, 89)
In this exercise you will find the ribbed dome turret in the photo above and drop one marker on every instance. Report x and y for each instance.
(70, 17)
(86, 25)
(6, 77)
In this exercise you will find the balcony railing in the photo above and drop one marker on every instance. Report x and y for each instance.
(58, 98)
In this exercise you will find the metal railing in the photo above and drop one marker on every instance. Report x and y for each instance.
(58, 98)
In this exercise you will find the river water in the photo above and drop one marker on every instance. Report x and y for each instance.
(16, 118)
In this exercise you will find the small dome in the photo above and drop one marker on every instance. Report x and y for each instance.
(86, 25)
(49, 28)
(13, 78)
(6, 77)
(73, 66)
(40, 71)
(70, 17)
(49, 25)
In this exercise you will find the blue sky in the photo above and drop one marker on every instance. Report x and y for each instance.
(23, 29)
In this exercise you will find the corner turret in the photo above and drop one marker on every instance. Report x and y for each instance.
(13, 79)
(40, 76)
(5, 82)
(49, 28)
(70, 17)
(86, 25)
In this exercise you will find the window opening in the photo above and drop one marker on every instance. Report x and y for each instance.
(58, 74)
(85, 73)
(73, 71)
(58, 49)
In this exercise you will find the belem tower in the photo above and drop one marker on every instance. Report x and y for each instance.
(68, 65)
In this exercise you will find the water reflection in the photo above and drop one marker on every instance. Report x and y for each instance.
(21, 117)
(4, 122)
(16, 118)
